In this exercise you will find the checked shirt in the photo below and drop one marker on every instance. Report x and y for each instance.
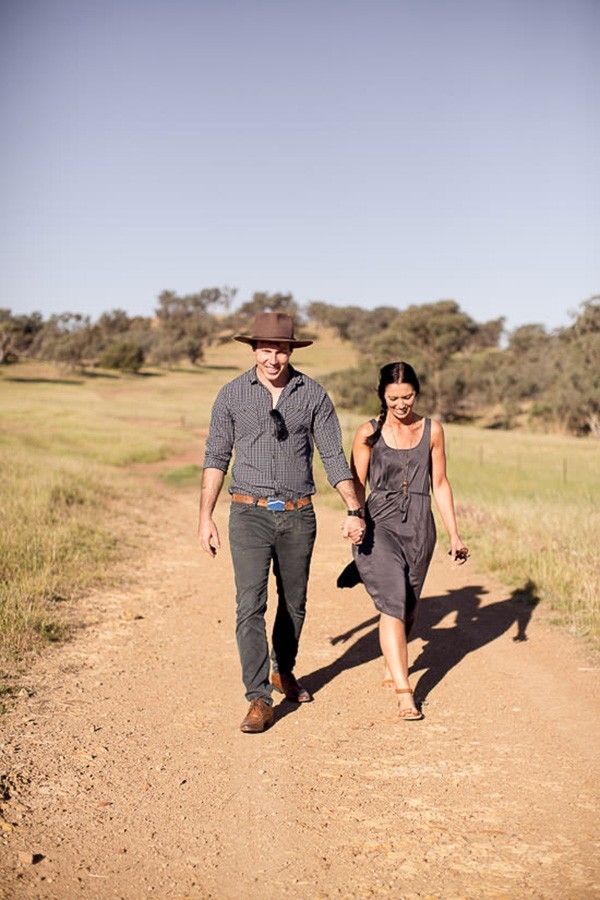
(262, 465)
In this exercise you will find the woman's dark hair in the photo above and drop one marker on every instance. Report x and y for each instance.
(393, 373)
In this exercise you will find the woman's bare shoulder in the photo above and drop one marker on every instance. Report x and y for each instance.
(366, 429)
(437, 431)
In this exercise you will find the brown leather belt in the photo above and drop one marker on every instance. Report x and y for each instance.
(266, 501)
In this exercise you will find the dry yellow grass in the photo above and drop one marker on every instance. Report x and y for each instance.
(528, 504)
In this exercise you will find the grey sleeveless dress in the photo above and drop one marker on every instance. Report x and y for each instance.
(395, 554)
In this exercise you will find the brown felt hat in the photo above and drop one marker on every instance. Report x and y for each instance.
(272, 326)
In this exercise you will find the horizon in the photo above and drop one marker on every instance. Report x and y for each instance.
(356, 153)
(218, 313)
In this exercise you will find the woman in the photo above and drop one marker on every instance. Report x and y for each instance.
(401, 454)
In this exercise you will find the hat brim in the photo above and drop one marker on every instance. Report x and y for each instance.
(245, 339)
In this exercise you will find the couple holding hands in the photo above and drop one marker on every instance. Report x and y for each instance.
(269, 419)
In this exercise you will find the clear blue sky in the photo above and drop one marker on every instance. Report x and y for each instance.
(364, 152)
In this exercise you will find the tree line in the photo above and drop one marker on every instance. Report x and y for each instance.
(470, 371)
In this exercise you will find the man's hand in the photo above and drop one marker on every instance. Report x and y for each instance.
(354, 528)
(208, 535)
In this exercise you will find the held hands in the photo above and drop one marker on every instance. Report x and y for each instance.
(354, 528)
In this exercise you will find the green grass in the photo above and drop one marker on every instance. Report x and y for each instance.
(184, 477)
(68, 445)
(530, 511)
(54, 543)
(65, 447)
(113, 421)
(528, 507)
(527, 504)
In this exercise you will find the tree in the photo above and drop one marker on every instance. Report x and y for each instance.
(587, 321)
(17, 334)
(264, 302)
(241, 321)
(8, 354)
(66, 338)
(184, 324)
(115, 323)
(126, 356)
(364, 329)
(340, 318)
(527, 370)
(486, 336)
(355, 389)
(117, 334)
(576, 393)
(426, 336)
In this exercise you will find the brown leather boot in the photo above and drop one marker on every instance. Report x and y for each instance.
(288, 684)
(260, 716)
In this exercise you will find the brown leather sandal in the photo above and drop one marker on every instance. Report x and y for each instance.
(407, 715)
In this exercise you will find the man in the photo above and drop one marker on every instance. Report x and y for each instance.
(272, 416)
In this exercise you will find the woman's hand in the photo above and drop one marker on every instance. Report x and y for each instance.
(354, 529)
(459, 552)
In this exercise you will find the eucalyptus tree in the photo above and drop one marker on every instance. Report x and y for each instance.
(427, 336)
(184, 324)
(576, 393)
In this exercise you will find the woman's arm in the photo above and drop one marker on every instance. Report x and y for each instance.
(359, 461)
(442, 491)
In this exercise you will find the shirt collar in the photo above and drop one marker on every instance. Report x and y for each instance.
(296, 377)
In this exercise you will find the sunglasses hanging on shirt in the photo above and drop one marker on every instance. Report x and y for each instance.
(281, 431)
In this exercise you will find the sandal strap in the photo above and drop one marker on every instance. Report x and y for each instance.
(404, 691)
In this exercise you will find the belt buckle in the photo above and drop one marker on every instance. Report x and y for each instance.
(276, 505)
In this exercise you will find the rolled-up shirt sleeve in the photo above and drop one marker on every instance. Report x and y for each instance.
(219, 443)
(327, 435)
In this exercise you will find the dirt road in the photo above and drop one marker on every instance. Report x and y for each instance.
(124, 773)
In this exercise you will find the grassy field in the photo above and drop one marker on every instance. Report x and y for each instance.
(530, 508)
(69, 445)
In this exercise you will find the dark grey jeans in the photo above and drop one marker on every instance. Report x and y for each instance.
(257, 538)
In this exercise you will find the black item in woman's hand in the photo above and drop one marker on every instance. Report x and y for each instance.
(350, 576)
